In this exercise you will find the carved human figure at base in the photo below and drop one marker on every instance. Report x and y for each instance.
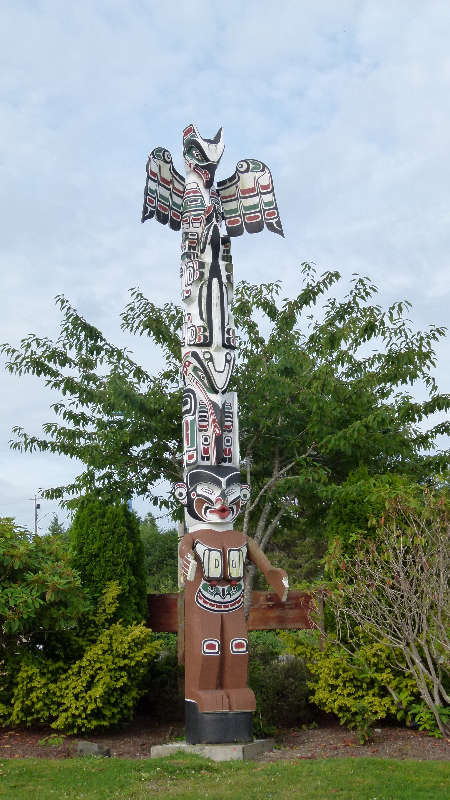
(216, 643)
(213, 553)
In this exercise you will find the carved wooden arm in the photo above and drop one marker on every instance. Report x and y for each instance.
(189, 564)
(277, 578)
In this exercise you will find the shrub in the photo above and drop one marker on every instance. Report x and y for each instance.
(162, 698)
(102, 688)
(39, 589)
(396, 589)
(98, 690)
(280, 684)
(359, 687)
(161, 556)
(360, 503)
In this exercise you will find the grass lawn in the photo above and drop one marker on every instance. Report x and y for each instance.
(194, 778)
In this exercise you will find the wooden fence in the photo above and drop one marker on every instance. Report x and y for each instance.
(301, 611)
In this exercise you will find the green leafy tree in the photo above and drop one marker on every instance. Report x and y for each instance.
(319, 397)
(322, 396)
(107, 547)
(161, 556)
(359, 505)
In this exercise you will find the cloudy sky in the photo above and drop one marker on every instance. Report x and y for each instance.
(347, 101)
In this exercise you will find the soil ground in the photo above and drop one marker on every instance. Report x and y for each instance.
(327, 740)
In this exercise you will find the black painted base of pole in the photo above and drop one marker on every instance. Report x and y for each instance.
(217, 727)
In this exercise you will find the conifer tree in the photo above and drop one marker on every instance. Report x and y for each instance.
(107, 547)
(56, 528)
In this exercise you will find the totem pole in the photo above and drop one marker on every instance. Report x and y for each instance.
(219, 704)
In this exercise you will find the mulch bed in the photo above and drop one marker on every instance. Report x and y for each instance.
(328, 740)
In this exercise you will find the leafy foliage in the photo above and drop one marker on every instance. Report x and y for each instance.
(107, 547)
(397, 589)
(324, 407)
(117, 419)
(360, 686)
(97, 689)
(62, 661)
(280, 684)
(161, 556)
(320, 395)
(358, 506)
(300, 555)
(161, 697)
(39, 588)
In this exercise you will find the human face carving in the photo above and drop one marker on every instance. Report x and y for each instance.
(212, 494)
(215, 504)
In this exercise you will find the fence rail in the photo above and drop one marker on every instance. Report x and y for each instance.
(301, 611)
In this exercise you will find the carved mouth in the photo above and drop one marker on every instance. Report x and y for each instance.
(223, 511)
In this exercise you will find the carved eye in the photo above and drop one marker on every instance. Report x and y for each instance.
(233, 493)
(194, 152)
(181, 492)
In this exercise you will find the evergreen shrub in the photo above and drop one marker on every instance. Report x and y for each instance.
(280, 684)
(98, 690)
(360, 687)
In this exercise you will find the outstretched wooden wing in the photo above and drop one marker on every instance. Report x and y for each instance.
(248, 199)
(164, 190)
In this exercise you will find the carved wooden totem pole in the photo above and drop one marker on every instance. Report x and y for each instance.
(219, 704)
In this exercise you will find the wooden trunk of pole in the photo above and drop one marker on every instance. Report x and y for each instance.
(180, 615)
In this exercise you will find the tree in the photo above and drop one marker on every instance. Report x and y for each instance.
(161, 556)
(319, 396)
(56, 528)
(326, 404)
(359, 505)
(397, 590)
(120, 421)
(107, 547)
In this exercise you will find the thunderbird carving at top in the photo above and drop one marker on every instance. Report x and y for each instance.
(246, 200)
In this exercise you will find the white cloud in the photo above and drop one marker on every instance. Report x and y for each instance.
(347, 102)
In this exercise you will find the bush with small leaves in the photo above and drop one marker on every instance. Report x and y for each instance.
(360, 687)
(101, 686)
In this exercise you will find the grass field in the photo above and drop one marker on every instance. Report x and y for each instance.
(194, 778)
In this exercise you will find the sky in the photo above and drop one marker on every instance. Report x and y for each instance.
(347, 101)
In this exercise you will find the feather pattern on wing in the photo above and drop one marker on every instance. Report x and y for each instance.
(248, 199)
(164, 190)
